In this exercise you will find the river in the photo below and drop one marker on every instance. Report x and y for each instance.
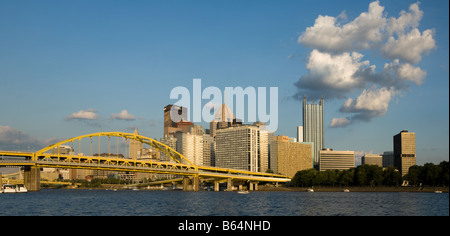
(178, 203)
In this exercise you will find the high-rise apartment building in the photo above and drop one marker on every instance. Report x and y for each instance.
(404, 151)
(313, 126)
(288, 157)
(238, 148)
(191, 147)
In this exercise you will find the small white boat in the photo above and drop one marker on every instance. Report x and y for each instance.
(438, 191)
(310, 190)
(21, 189)
(9, 188)
(346, 190)
(243, 192)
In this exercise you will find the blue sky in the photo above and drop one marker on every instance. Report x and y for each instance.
(58, 58)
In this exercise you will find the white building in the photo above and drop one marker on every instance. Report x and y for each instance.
(191, 147)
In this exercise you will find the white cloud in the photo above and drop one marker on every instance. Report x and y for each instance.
(362, 33)
(371, 103)
(410, 47)
(123, 115)
(89, 114)
(336, 68)
(339, 122)
(332, 75)
(405, 72)
(405, 21)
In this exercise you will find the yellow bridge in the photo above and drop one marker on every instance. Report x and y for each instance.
(175, 163)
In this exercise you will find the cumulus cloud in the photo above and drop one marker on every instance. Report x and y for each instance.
(123, 115)
(337, 67)
(371, 103)
(362, 33)
(409, 47)
(339, 122)
(331, 76)
(89, 114)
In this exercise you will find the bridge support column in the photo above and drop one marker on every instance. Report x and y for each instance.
(32, 178)
(187, 186)
(229, 185)
(185, 183)
(216, 185)
(195, 184)
(253, 186)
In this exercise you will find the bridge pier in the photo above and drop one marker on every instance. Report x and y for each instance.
(187, 186)
(229, 184)
(32, 178)
(253, 186)
(216, 186)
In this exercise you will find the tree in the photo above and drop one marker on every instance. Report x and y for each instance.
(415, 174)
(361, 174)
(431, 172)
(375, 175)
(346, 177)
(304, 177)
(444, 175)
(392, 177)
(320, 178)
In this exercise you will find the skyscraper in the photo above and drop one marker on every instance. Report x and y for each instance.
(313, 127)
(289, 157)
(170, 125)
(135, 146)
(404, 151)
(238, 148)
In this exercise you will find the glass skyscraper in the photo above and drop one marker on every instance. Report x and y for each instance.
(313, 127)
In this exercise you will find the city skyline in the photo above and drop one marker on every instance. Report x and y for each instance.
(82, 67)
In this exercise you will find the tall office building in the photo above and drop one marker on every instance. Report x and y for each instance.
(135, 147)
(404, 151)
(223, 118)
(388, 158)
(313, 126)
(171, 126)
(336, 160)
(288, 157)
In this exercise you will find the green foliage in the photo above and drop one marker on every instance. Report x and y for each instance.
(372, 175)
(429, 174)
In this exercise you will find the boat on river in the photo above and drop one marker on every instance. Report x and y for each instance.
(243, 192)
(9, 188)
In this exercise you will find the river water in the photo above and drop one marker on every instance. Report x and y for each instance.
(178, 203)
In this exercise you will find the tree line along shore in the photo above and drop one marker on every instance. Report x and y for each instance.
(428, 177)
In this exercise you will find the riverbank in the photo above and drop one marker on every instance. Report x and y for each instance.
(355, 189)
